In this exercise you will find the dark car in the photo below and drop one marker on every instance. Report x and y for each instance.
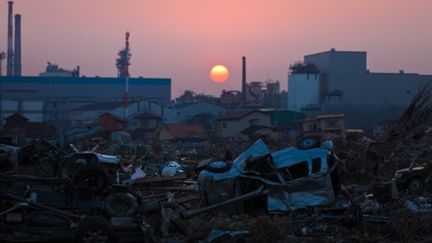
(412, 179)
(55, 216)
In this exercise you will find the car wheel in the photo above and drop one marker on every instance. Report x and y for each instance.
(121, 205)
(415, 186)
(95, 229)
(218, 167)
(92, 178)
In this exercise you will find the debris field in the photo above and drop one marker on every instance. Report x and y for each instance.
(84, 187)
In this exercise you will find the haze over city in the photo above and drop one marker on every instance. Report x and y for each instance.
(182, 40)
(213, 121)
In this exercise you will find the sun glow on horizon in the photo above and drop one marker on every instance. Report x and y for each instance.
(219, 74)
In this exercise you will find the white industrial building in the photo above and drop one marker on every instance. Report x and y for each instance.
(303, 91)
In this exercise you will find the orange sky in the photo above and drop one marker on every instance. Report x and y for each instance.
(183, 39)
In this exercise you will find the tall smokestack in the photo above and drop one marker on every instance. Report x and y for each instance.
(244, 88)
(17, 51)
(9, 68)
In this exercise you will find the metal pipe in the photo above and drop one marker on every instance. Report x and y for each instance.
(17, 54)
(9, 69)
(42, 206)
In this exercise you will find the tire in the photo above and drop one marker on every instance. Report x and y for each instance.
(121, 205)
(92, 178)
(218, 167)
(415, 185)
(95, 229)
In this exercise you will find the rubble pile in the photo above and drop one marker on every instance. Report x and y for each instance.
(408, 141)
(98, 190)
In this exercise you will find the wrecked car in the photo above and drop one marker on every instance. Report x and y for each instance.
(296, 177)
(412, 178)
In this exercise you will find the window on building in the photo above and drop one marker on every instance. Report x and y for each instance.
(315, 127)
(333, 124)
(224, 125)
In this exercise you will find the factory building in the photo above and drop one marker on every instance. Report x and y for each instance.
(59, 95)
(339, 82)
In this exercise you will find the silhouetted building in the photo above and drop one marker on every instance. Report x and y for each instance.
(249, 123)
(144, 124)
(345, 85)
(272, 95)
(231, 98)
(53, 70)
(186, 111)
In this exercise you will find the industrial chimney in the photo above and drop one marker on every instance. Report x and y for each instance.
(17, 51)
(244, 84)
(9, 68)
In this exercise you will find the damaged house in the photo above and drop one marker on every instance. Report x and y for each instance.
(325, 126)
(262, 123)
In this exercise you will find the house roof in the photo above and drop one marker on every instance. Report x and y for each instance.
(182, 131)
(183, 105)
(285, 117)
(331, 116)
(16, 116)
(239, 114)
(115, 117)
(324, 117)
(202, 115)
(108, 105)
(147, 115)
(15, 121)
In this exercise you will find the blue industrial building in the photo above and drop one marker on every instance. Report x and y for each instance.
(53, 97)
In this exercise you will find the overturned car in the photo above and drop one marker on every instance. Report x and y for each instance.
(293, 178)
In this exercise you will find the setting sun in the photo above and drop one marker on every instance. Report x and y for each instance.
(219, 74)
